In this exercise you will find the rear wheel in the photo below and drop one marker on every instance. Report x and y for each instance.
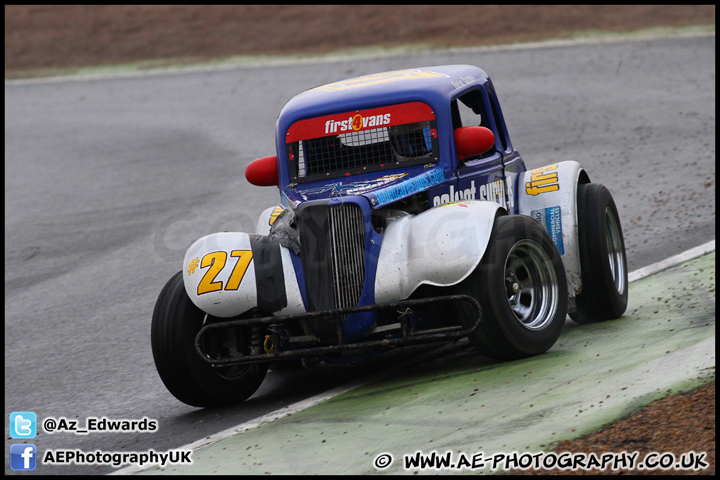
(175, 324)
(521, 286)
(603, 263)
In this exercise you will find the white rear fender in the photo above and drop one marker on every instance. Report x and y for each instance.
(549, 194)
(440, 247)
(229, 273)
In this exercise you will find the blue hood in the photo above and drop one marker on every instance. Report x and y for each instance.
(380, 188)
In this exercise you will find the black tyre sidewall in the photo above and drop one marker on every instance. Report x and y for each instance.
(599, 299)
(500, 334)
(176, 322)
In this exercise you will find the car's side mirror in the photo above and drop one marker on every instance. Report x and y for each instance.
(472, 141)
(263, 172)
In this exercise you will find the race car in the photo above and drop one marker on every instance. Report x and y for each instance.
(406, 216)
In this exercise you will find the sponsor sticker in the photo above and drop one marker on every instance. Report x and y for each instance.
(551, 220)
(403, 189)
(542, 180)
(347, 122)
(378, 78)
(494, 191)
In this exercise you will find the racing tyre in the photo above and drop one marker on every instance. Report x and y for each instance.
(175, 324)
(521, 286)
(603, 263)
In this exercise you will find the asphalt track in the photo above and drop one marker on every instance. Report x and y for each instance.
(109, 179)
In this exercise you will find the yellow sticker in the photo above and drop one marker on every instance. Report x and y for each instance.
(193, 265)
(275, 213)
(459, 203)
(541, 181)
(377, 78)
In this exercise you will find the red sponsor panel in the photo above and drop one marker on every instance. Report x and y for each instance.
(356, 121)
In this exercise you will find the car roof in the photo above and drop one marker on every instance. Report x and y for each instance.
(434, 85)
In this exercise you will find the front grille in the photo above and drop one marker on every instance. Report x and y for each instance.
(332, 245)
(347, 244)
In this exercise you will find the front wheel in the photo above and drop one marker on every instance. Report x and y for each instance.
(522, 289)
(175, 324)
(603, 264)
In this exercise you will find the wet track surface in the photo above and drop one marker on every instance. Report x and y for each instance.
(109, 180)
(454, 402)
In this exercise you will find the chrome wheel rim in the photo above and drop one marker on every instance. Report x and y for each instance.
(616, 252)
(531, 285)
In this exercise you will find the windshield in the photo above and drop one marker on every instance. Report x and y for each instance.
(361, 141)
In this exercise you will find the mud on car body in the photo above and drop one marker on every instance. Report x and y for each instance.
(406, 216)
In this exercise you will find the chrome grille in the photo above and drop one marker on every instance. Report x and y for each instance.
(347, 245)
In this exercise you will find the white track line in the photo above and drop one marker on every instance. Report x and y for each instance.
(287, 411)
(254, 423)
(672, 261)
(312, 401)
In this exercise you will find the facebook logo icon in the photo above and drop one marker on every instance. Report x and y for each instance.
(23, 456)
(23, 425)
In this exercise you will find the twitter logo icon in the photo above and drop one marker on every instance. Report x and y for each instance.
(23, 425)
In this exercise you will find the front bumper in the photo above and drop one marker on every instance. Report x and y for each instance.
(408, 334)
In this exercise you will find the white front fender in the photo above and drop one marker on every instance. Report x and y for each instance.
(549, 195)
(224, 277)
(267, 218)
(440, 247)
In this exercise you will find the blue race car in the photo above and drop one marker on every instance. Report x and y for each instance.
(406, 216)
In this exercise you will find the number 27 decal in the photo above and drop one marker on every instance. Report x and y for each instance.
(216, 261)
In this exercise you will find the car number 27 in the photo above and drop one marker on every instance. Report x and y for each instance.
(216, 261)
